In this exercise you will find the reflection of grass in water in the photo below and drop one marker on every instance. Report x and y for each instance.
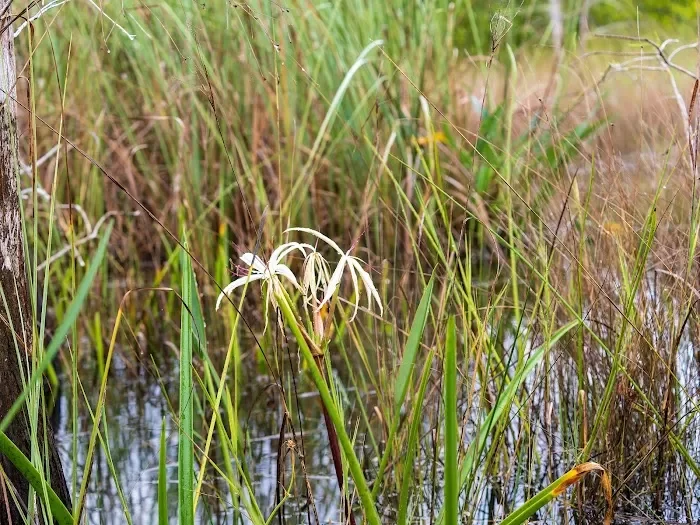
(251, 129)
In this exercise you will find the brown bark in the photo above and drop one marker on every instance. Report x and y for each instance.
(15, 313)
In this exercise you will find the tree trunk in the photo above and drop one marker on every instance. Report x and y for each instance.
(16, 324)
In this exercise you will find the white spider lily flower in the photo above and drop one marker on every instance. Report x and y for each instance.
(269, 272)
(354, 266)
(316, 275)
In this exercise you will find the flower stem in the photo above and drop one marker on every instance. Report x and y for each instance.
(335, 449)
(337, 422)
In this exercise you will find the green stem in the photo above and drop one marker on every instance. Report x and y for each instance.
(33, 476)
(335, 453)
(345, 442)
(451, 433)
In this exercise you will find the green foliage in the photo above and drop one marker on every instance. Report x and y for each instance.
(241, 121)
(185, 471)
(163, 478)
(58, 510)
(452, 485)
(666, 13)
(546, 153)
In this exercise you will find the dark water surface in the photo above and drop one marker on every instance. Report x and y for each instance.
(646, 486)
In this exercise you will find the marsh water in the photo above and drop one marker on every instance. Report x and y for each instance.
(134, 412)
(141, 394)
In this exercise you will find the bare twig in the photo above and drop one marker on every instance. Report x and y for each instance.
(660, 50)
(94, 234)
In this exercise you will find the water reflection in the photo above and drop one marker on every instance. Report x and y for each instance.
(134, 409)
(539, 441)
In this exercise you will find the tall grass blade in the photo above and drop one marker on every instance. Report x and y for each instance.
(412, 444)
(505, 400)
(185, 457)
(163, 478)
(502, 406)
(451, 433)
(412, 345)
(63, 328)
(404, 376)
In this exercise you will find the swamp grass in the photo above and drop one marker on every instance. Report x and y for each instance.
(532, 233)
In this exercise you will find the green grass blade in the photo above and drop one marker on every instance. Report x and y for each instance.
(506, 398)
(33, 476)
(63, 328)
(501, 408)
(412, 345)
(185, 452)
(404, 376)
(163, 479)
(412, 444)
(557, 488)
(451, 433)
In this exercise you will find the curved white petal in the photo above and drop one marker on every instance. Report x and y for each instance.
(271, 289)
(324, 271)
(309, 279)
(253, 260)
(284, 271)
(356, 287)
(316, 274)
(284, 249)
(315, 233)
(371, 289)
(334, 281)
(235, 284)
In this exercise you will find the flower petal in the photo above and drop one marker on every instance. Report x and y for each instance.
(371, 289)
(284, 271)
(253, 260)
(316, 274)
(324, 270)
(309, 280)
(356, 287)
(315, 233)
(334, 281)
(284, 249)
(235, 284)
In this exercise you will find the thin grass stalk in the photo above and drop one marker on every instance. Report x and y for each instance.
(631, 290)
(403, 378)
(232, 354)
(35, 400)
(413, 441)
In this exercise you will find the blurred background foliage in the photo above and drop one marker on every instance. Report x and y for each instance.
(530, 20)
